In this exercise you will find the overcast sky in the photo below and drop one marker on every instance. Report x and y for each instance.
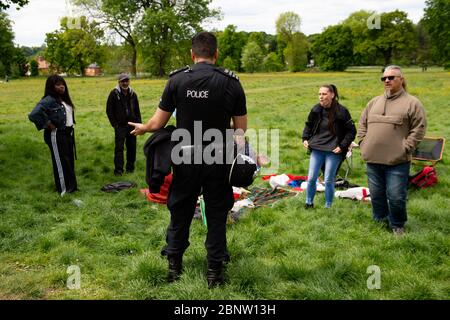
(31, 23)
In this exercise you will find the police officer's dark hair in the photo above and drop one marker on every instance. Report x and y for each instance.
(204, 44)
(51, 91)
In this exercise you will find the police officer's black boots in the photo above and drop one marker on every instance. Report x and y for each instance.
(215, 274)
(175, 268)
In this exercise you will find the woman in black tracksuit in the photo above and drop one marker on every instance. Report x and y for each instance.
(55, 114)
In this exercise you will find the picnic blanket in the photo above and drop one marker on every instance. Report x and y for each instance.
(259, 197)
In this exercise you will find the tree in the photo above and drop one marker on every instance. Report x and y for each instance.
(230, 64)
(260, 39)
(34, 68)
(73, 49)
(287, 24)
(333, 48)
(357, 22)
(32, 51)
(292, 44)
(423, 54)
(437, 22)
(7, 50)
(121, 16)
(296, 52)
(19, 67)
(396, 36)
(167, 27)
(231, 43)
(5, 4)
(117, 58)
(252, 57)
(272, 63)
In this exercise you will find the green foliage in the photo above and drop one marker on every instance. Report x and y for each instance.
(117, 59)
(12, 60)
(20, 64)
(437, 21)
(5, 4)
(7, 49)
(119, 16)
(231, 43)
(357, 22)
(32, 51)
(230, 64)
(423, 53)
(296, 51)
(395, 37)
(167, 27)
(260, 39)
(252, 57)
(272, 63)
(287, 25)
(292, 44)
(333, 48)
(76, 45)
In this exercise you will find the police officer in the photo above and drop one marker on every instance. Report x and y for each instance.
(204, 97)
(123, 106)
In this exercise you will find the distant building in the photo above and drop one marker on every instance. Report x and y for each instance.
(43, 66)
(92, 70)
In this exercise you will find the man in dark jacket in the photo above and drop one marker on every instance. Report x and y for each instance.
(122, 107)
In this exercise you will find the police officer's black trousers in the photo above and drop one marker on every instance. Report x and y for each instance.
(61, 143)
(188, 182)
(123, 136)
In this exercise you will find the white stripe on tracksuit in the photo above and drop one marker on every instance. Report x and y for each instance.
(58, 162)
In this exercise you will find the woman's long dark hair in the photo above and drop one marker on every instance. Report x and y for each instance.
(50, 89)
(333, 107)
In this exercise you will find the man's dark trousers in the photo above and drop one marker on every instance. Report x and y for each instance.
(188, 182)
(123, 137)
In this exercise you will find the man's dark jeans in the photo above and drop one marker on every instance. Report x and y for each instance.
(388, 187)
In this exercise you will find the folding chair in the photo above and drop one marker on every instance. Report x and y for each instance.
(430, 149)
(348, 160)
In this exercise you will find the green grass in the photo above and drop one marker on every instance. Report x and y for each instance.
(281, 252)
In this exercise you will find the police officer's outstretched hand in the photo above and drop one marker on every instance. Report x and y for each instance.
(139, 128)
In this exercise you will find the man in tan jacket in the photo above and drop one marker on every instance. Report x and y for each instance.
(390, 128)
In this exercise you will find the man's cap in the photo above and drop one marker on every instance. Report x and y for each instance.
(123, 76)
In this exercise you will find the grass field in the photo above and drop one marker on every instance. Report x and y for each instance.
(282, 252)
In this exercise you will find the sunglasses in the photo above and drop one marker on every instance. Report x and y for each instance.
(389, 77)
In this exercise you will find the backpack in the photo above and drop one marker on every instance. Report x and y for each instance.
(426, 177)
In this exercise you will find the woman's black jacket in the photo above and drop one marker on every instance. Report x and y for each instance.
(343, 125)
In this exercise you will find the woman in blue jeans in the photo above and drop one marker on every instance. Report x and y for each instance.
(328, 133)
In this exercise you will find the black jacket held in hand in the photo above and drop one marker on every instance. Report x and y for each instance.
(158, 150)
(49, 109)
(119, 113)
(343, 124)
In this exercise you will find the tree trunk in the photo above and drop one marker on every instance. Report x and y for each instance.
(161, 71)
(387, 57)
(134, 61)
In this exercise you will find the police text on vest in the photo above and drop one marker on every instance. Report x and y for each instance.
(197, 94)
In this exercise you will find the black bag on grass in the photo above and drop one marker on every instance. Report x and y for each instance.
(117, 186)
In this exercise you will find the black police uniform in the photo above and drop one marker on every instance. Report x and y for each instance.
(61, 141)
(213, 96)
